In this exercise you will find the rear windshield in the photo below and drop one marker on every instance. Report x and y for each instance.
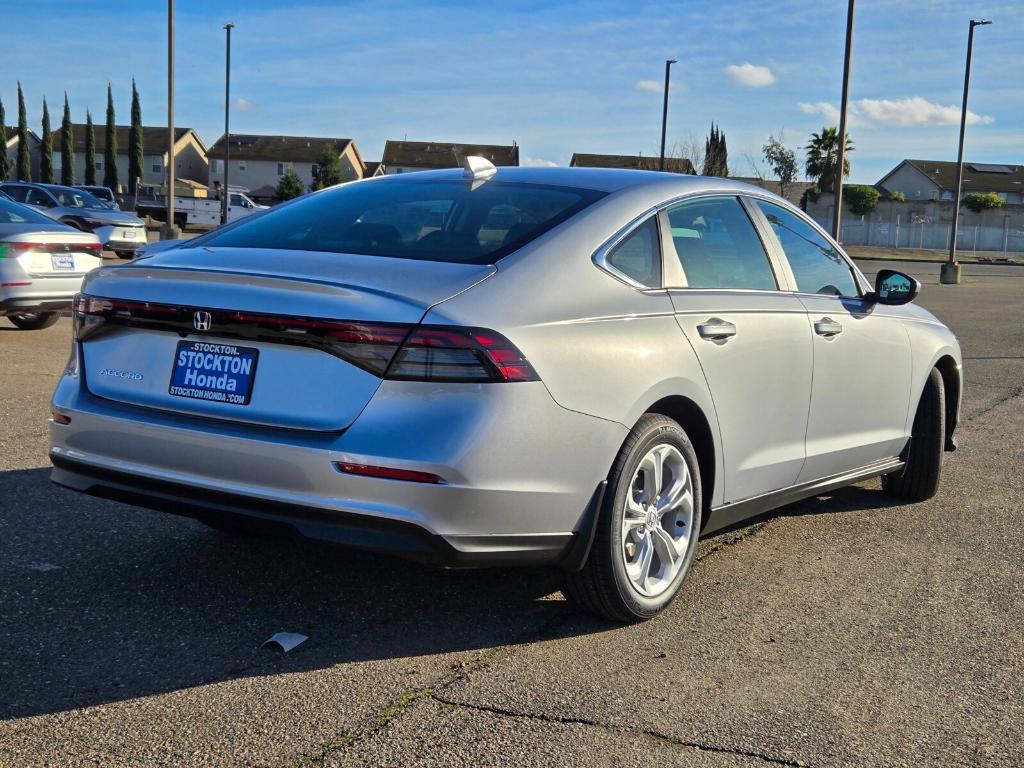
(454, 221)
(12, 213)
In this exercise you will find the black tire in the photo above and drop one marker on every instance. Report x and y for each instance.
(919, 479)
(34, 321)
(125, 254)
(603, 587)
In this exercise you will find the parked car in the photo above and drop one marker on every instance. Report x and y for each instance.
(42, 264)
(119, 231)
(103, 194)
(582, 367)
(4, 195)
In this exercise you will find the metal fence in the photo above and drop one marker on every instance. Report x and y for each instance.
(888, 229)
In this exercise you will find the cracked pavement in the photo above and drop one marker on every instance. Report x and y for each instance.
(844, 630)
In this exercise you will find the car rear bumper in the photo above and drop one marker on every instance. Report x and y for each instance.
(519, 471)
(13, 305)
(113, 237)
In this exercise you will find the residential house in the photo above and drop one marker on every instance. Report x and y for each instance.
(631, 162)
(12, 152)
(259, 162)
(407, 156)
(189, 154)
(373, 169)
(936, 180)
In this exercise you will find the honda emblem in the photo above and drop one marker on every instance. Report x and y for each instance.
(202, 321)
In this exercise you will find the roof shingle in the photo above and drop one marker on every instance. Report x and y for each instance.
(437, 154)
(633, 162)
(283, 149)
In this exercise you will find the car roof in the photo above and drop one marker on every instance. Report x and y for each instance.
(601, 179)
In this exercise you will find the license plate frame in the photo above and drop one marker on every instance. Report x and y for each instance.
(212, 365)
(128, 234)
(62, 262)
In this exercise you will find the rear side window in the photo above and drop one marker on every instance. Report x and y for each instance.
(16, 193)
(817, 266)
(12, 213)
(718, 246)
(639, 255)
(454, 221)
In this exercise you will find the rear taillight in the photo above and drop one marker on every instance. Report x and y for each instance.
(398, 351)
(14, 250)
(92, 248)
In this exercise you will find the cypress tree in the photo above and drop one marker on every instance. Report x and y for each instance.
(110, 151)
(46, 149)
(24, 169)
(716, 161)
(90, 150)
(67, 146)
(135, 142)
(4, 165)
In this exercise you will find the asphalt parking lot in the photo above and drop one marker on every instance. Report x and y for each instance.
(844, 630)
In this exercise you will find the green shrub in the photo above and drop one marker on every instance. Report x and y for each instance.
(862, 199)
(897, 197)
(979, 202)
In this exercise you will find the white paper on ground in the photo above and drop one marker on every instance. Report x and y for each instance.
(286, 641)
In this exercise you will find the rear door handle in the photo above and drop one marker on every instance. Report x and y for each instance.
(716, 329)
(827, 327)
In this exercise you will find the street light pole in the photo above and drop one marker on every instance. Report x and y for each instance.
(169, 231)
(841, 152)
(950, 274)
(225, 202)
(664, 115)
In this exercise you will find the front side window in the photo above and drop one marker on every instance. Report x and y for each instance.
(454, 221)
(718, 246)
(639, 255)
(817, 264)
(38, 197)
(16, 193)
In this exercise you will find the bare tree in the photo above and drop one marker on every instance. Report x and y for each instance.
(689, 147)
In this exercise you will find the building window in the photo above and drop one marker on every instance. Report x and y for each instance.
(241, 165)
(157, 166)
(947, 194)
(314, 171)
(1002, 196)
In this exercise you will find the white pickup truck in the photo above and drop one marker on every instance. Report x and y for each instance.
(195, 211)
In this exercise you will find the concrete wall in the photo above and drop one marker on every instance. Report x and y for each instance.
(927, 224)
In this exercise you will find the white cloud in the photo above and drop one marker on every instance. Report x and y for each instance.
(245, 105)
(823, 108)
(899, 113)
(750, 75)
(915, 111)
(537, 162)
(650, 85)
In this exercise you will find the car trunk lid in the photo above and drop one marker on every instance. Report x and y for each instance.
(267, 320)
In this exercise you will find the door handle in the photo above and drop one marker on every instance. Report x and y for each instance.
(827, 327)
(716, 329)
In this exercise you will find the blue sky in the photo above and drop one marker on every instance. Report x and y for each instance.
(557, 77)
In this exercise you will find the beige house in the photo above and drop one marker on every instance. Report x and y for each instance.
(406, 156)
(936, 180)
(259, 162)
(12, 153)
(189, 154)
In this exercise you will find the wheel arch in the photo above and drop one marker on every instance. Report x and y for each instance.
(952, 384)
(697, 426)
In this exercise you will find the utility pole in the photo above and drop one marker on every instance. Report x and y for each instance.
(950, 274)
(169, 231)
(225, 195)
(664, 114)
(841, 152)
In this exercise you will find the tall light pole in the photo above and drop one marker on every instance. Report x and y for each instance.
(664, 115)
(841, 152)
(950, 274)
(169, 231)
(226, 197)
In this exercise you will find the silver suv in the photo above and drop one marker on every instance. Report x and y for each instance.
(589, 368)
(118, 231)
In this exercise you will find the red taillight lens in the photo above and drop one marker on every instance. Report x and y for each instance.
(14, 250)
(444, 353)
(387, 473)
(93, 248)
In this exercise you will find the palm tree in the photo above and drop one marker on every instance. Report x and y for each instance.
(822, 152)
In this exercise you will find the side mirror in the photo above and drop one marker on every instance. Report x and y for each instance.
(894, 288)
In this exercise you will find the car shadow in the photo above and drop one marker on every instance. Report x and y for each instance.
(102, 602)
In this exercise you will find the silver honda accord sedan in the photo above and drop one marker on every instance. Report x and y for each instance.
(582, 367)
